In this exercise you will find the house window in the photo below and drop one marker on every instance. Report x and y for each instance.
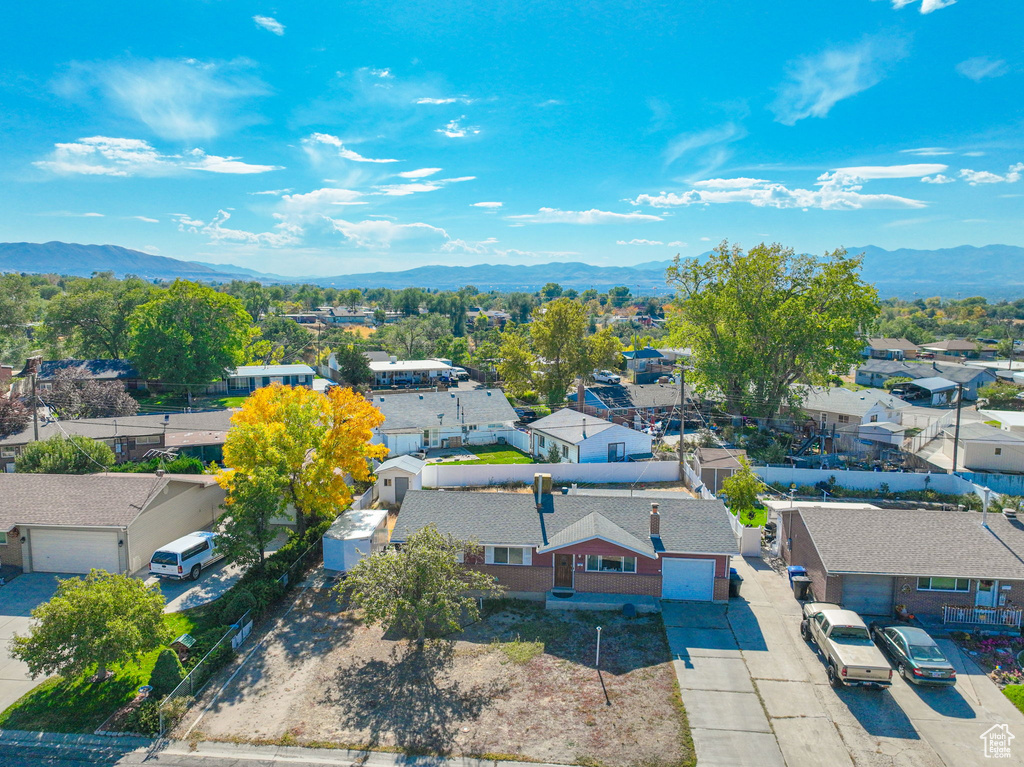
(387, 483)
(508, 555)
(540, 442)
(844, 418)
(7, 452)
(565, 451)
(943, 584)
(999, 451)
(597, 563)
(874, 419)
(154, 440)
(616, 452)
(426, 436)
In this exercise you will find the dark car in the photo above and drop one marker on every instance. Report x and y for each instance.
(917, 657)
(526, 415)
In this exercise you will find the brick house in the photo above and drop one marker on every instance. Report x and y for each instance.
(539, 543)
(945, 567)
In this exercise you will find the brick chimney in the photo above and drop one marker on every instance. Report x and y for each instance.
(655, 521)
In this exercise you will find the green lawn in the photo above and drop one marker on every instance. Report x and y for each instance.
(493, 454)
(80, 706)
(1015, 693)
(173, 400)
(758, 520)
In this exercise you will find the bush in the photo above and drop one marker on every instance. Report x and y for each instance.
(235, 606)
(144, 719)
(167, 673)
(529, 397)
(265, 593)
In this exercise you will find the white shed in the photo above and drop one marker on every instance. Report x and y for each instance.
(354, 535)
(397, 476)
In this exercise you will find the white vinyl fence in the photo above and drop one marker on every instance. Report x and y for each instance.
(918, 441)
(439, 475)
(868, 480)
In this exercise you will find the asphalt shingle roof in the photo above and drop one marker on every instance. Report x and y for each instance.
(953, 371)
(404, 462)
(628, 395)
(419, 411)
(687, 525)
(596, 525)
(212, 421)
(272, 370)
(96, 369)
(568, 425)
(892, 343)
(837, 399)
(916, 542)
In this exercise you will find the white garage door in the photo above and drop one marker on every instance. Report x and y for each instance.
(73, 551)
(689, 579)
(868, 594)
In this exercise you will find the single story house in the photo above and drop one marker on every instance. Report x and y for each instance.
(582, 438)
(495, 318)
(942, 566)
(646, 365)
(957, 349)
(1009, 420)
(93, 370)
(249, 378)
(714, 465)
(890, 349)
(845, 409)
(200, 434)
(354, 535)
(396, 372)
(371, 356)
(396, 477)
(343, 315)
(877, 372)
(67, 523)
(985, 448)
(536, 543)
(418, 421)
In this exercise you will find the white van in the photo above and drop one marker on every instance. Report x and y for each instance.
(185, 557)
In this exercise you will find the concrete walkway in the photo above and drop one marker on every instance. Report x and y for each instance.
(17, 598)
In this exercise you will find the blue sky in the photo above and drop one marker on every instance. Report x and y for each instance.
(333, 138)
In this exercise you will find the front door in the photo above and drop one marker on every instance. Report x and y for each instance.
(563, 571)
(986, 594)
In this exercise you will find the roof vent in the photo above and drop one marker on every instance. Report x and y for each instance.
(421, 396)
(1010, 513)
(488, 392)
(160, 472)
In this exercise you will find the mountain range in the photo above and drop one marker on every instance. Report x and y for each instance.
(993, 271)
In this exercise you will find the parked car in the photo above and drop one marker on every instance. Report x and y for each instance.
(607, 376)
(185, 557)
(460, 373)
(917, 656)
(526, 415)
(850, 656)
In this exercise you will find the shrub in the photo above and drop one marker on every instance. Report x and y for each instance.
(240, 601)
(529, 397)
(167, 673)
(144, 719)
(265, 593)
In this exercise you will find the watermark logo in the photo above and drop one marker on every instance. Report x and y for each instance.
(997, 741)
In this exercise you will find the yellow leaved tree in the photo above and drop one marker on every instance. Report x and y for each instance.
(309, 440)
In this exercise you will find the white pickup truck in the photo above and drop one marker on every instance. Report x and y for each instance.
(852, 658)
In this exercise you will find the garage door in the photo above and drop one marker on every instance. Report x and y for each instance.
(73, 551)
(868, 594)
(689, 579)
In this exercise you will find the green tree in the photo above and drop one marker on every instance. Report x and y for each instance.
(408, 301)
(554, 453)
(14, 415)
(379, 316)
(516, 360)
(414, 338)
(189, 336)
(420, 588)
(619, 296)
(253, 501)
(999, 394)
(551, 291)
(761, 321)
(17, 301)
(741, 488)
(891, 383)
(92, 622)
(352, 365)
(519, 305)
(167, 673)
(93, 316)
(57, 455)
(286, 341)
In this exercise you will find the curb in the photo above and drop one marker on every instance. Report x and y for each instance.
(26, 737)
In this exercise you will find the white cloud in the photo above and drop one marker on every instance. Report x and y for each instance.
(284, 234)
(337, 143)
(379, 234)
(586, 217)
(403, 190)
(927, 6)
(639, 242)
(421, 173)
(107, 156)
(815, 84)
(273, 192)
(937, 179)
(707, 148)
(454, 129)
(728, 183)
(270, 24)
(975, 177)
(490, 205)
(981, 67)
(447, 100)
(974, 154)
(927, 151)
(486, 248)
(383, 74)
(147, 219)
(892, 171)
(318, 202)
(177, 99)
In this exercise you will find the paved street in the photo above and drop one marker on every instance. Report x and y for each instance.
(757, 694)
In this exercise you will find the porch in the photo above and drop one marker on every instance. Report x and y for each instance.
(567, 600)
(991, 620)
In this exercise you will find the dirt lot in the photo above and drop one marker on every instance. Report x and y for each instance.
(521, 683)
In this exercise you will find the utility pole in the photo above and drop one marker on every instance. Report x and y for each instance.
(32, 371)
(956, 430)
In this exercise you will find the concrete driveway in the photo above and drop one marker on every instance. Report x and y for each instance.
(729, 658)
(17, 598)
(185, 594)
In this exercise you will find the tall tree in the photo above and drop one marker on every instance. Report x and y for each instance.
(310, 441)
(71, 395)
(760, 321)
(516, 360)
(14, 415)
(619, 296)
(60, 455)
(253, 502)
(421, 588)
(92, 622)
(414, 337)
(286, 341)
(408, 301)
(352, 365)
(519, 305)
(551, 291)
(93, 315)
(17, 308)
(189, 336)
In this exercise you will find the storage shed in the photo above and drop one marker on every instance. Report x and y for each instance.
(397, 476)
(354, 535)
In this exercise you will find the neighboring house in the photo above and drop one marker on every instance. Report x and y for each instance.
(877, 372)
(957, 349)
(66, 523)
(419, 421)
(495, 318)
(890, 349)
(396, 372)
(646, 365)
(1009, 420)
(536, 543)
(198, 434)
(342, 315)
(943, 566)
(985, 448)
(374, 356)
(714, 465)
(249, 378)
(396, 477)
(639, 406)
(582, 438)
(853, 416)
(92, 370)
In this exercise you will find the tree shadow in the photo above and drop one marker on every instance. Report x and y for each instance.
(409, 700)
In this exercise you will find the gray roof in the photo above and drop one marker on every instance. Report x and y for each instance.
(951, 370)
(935, 384)
(212, 422)
(596, 525)
(975, 431)
(377, 356)
(687, 525)
(892, 343)
(627, 395)
(90, 500)
(719, 457)
(419, 411)
(272, 370)
(95, 369)
(571, 426)
(916, 542)
(403, 462)
(841, 400)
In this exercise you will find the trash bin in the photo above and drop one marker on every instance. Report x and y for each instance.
(735, 581)
(795, 570)
(801, 587)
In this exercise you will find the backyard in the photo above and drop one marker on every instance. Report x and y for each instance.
(489, 454)
(153, 401)
(519, 684)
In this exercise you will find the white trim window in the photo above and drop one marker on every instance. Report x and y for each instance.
(598, 563)
(508, 555)
(944, 584)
